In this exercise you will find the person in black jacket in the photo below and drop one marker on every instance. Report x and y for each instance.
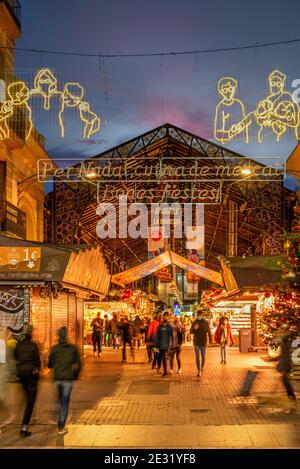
(163, 340)
(127, 329)
(28, 367)
(65, 361)
(200, 329)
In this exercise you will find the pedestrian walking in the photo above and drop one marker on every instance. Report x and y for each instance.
(106, 331)
(97, 325)
(175, 347)
(151, 341)
(28, 368)
(138, 327)
(200, 329)
(224, 337)
(126, 327)
(65, 361)
(114, 330)
(163, 341)
(285, 361)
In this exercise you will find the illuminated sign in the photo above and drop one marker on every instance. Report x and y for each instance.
(17, 105)
(277, 113)
(20, 259)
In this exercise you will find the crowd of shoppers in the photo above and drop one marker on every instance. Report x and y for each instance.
(163, 337)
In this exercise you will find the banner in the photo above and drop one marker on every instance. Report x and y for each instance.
(195, 245)
(157, 244)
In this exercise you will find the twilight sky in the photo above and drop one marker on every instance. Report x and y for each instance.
(135, 95)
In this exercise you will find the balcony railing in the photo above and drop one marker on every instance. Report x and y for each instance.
(15, 8)
(12, 219)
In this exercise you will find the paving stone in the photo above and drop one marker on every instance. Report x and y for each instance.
(115, 405)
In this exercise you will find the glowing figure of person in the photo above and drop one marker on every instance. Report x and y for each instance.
(6, 111)
(277, 111)
(18, 95)
(72, 98)
(230, 118)
(91, 120)
(45, 84)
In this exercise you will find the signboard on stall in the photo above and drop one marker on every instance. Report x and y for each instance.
(21, 260)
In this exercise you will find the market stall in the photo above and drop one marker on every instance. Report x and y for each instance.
(43, 284)
(106, 308)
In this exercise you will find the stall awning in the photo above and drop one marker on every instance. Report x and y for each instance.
(161, 261)
(24, 262)
(256, 271)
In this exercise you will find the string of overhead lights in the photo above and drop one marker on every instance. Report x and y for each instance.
(154, 54)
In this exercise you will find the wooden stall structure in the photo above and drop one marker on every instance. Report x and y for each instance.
(58, 279)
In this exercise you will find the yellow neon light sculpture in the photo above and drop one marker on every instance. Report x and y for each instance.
(18, 95)
(230, 118)
(91, 120)
(46, 86)
(6, 111)
(277, 112)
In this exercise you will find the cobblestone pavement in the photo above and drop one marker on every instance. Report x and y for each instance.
(115, 405)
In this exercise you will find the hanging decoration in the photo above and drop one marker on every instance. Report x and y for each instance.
(277, 112)
(16, 112)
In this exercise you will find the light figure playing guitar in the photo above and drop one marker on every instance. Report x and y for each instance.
(277, 111)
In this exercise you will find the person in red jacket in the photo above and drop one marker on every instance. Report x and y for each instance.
(151, 340)
(224, 337)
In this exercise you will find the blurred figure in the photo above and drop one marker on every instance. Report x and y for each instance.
(183, 328)
(151, 341)
(163, 341)
(149, 346)
(200, 328)
(175, 348)
(6, 416)
(224, 337)
(11, 344)
(97, 325)
(138, 327)
(188, 330)
(65, 361)
(285, 362)
(106, 331)
(126, 327)
(28, 368)
(114, 330)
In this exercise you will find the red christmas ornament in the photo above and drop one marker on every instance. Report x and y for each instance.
(267, 295)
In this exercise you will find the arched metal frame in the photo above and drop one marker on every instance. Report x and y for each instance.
(260, 224)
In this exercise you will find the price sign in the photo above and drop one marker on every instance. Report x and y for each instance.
(20, 259)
